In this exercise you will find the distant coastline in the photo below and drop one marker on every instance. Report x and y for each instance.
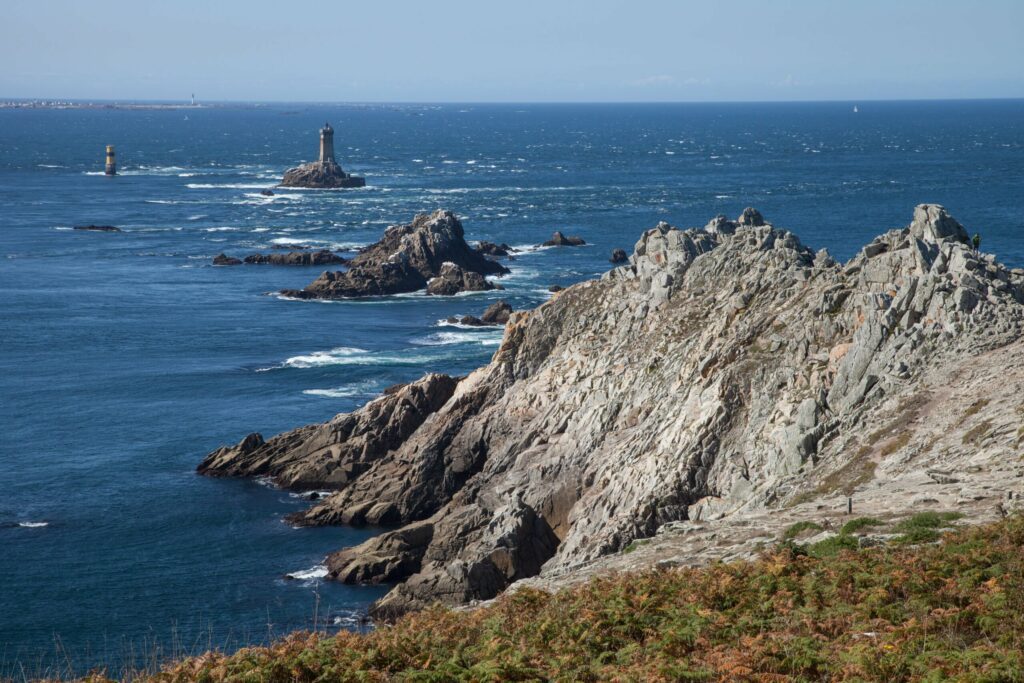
(71, 104)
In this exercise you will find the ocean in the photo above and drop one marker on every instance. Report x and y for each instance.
(126, 357)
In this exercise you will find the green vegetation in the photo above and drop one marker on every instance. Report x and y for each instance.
(855, 525)
(948, 611)
(799, 528)
(923, 527)
(832, 546)
(633, 545)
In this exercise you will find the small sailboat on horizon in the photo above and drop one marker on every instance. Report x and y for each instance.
(855, 110)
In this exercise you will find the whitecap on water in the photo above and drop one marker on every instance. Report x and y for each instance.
(485, 337)
(311, 574)
(33, 525)
(345, 391)
(227, 186)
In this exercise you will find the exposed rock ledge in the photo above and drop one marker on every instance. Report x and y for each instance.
(432, 249)
(725, 376)
(321, 175)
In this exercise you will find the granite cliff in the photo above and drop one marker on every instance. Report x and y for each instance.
(724, 383)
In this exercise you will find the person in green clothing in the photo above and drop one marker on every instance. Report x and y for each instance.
(976, 241)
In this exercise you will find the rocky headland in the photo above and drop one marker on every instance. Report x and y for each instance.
(688, 406)
(430, 252)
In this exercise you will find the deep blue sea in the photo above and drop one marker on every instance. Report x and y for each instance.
(126, 357)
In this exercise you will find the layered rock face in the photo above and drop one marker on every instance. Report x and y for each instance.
(320, 175)
(405, 259)
(724, 373)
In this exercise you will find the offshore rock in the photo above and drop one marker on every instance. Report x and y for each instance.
(225, 260)
(717, 387)
(452, 279)
(560, 240)
(320, 175)
(492, 249)
(405, 259)
(497, 313)
(619, 256)
(322, 257)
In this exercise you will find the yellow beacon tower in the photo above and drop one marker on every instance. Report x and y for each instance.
(111, 168)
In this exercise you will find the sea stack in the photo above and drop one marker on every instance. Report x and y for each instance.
(323, 173)
(111, 167)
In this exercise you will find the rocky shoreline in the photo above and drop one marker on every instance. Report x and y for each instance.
(725, 381)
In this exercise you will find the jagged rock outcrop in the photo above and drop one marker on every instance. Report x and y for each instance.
(223, 259)
(560, 240)
(491, 249)
(618, 256)
(333, 453)
(321, 175)
(405, 259)
(452, 279)
(322, 257)
(497, 313)
(727, 373)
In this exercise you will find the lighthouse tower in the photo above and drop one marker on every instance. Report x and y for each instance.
(111, 167)
(327, 144)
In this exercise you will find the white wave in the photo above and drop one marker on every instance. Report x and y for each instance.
(63, 228)
(33, 525)
(345, 355)
(276, 196)
(93, 173)
(261, 230)
(340, 392)
(50, 166)
(723, 196)
(227, 186)
(311, 574)
(187, 175)
(221, 229)
(196, 217)
(529, 248)
(290, 240)
(335, 356)
(484, 336)
(346, 391)
(160, 201)
(310, 495)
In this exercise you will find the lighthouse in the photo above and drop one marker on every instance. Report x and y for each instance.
(327, 144)
(324, 173)
(111, 168)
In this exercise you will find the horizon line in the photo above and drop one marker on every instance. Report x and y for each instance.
(199, 103)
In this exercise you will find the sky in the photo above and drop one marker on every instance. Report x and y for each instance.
(522, 51)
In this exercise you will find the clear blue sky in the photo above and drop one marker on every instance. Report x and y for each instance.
(523, 50)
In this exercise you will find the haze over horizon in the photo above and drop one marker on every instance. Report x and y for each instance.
(460, 51)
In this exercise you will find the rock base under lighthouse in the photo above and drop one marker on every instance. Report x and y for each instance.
(320, 174)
